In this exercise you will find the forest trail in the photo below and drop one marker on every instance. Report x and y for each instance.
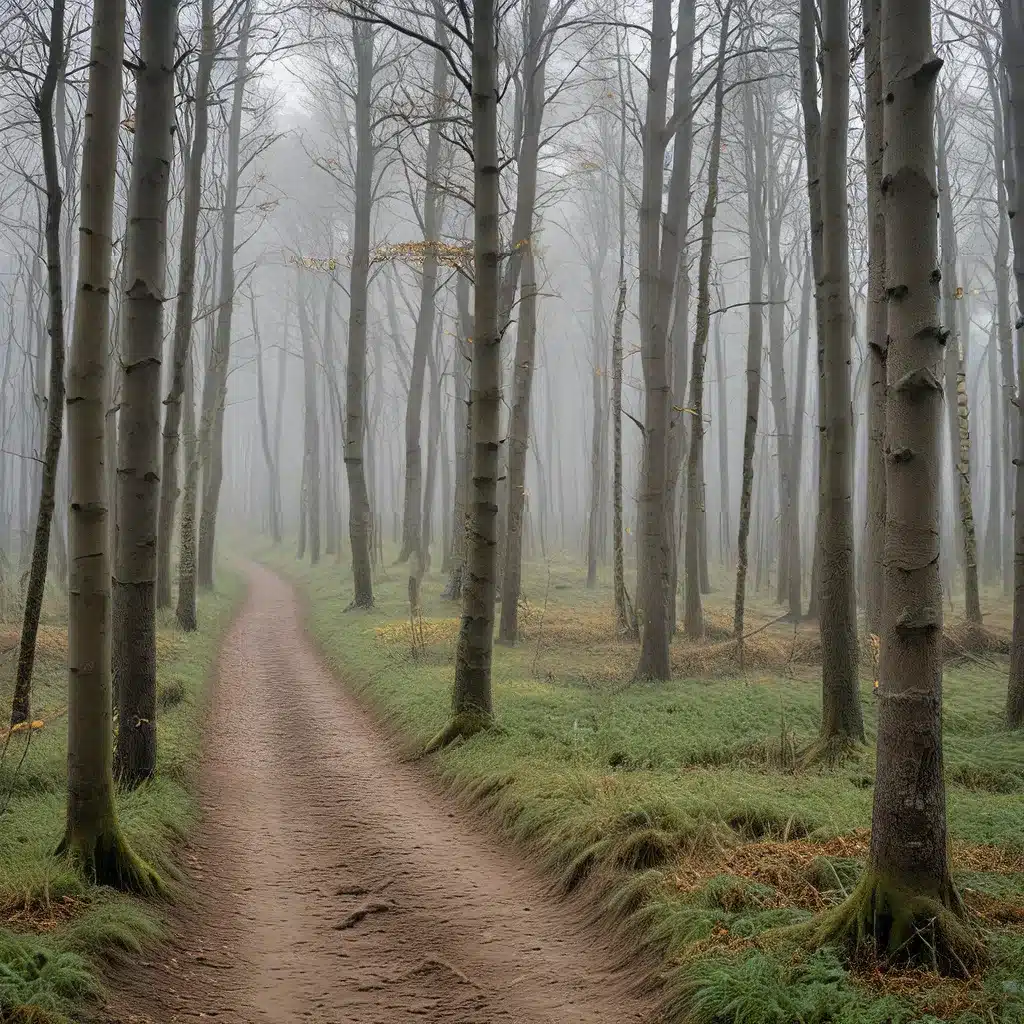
(335, 884)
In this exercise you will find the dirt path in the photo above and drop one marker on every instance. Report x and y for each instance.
(336, 885)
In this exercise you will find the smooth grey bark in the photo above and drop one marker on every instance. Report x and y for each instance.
(43, 103)
(215, 386)
(184, 308)
(463, 450)
(433, 434)
(360, 520)
(133, 605)
(185, 611)
(273, 485)
(311, 429)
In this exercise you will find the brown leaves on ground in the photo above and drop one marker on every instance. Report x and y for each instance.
(52, 642)
(40, 915)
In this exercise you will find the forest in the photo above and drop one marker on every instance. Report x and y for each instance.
(348, 675)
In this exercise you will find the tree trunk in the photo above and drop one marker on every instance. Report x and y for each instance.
(432, 215)
(906, 906)
(93, 837)
(755, 159)
(311, 453)
(876, 316)
(359, 517)
(433, 434)
(799, 413)
(1013, 55)
(184, 309)
(138, 449)
(693, 621)
(216, 385)
(185, 612)
(955, 382)
(471, 699)
(519, 439)
(842, 719)
(54, 427)
(463, 362)
(994, 531)
(274, 488)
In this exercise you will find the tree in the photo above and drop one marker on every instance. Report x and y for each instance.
(138, 454)
(906, 907)
(842, 720)
(42, 103)
(309, 501)
(93, 837)
(184, 310)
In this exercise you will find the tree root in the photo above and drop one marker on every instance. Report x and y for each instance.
(107, 859)
(888, 923)
(830, 751)
(463, 726)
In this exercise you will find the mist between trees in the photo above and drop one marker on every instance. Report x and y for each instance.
(713, 298)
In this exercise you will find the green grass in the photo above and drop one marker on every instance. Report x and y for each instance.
(677, 805)
(57, 932)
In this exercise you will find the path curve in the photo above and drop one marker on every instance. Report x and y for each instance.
(335, 884)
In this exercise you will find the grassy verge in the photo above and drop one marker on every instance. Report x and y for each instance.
(56, 933)
(681, 807)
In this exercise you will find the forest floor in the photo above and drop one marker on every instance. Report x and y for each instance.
(57, 934)
(680, 812)
(333, 882)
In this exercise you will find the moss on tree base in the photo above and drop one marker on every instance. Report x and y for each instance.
(883, 921)
(107, 859)
(463, 726)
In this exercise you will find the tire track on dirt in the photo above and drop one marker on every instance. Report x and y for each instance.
(334, 884)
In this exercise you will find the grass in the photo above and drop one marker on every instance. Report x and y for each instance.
(680, 809)
(56, 932)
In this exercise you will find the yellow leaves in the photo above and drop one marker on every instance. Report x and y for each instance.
(23, 727)
(958, 294)
(458, 256)
(315, 263)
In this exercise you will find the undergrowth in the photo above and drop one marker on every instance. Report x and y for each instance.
(682, 811)
(56, 932)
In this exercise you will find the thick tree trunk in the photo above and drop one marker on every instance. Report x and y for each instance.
(93, 837)
(183, 309)
(216, 384)
(842, 719)
(876, 316)
(360, 521)
(54, 424)
(471, 698)
(755, 159)
(906, 906)
(138, 448)
(519, 439)
(693, 620)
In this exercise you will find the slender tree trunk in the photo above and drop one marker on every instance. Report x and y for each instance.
(138, 450)
(93, 837)
(54, 425)
(725, 525)
(1013, 54)
(184, 309)
(877, 340)
(216, 385)
(693, 623)
(955, 382)
(842, 719)
(993, 531)
(432, 215)
(755, 158)
(519, 439)
(311, 460)
(433, 434)
(360, 519)
(463, 362)
(799, 413)
(282, 380)
(185, 612)
(268, 454)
